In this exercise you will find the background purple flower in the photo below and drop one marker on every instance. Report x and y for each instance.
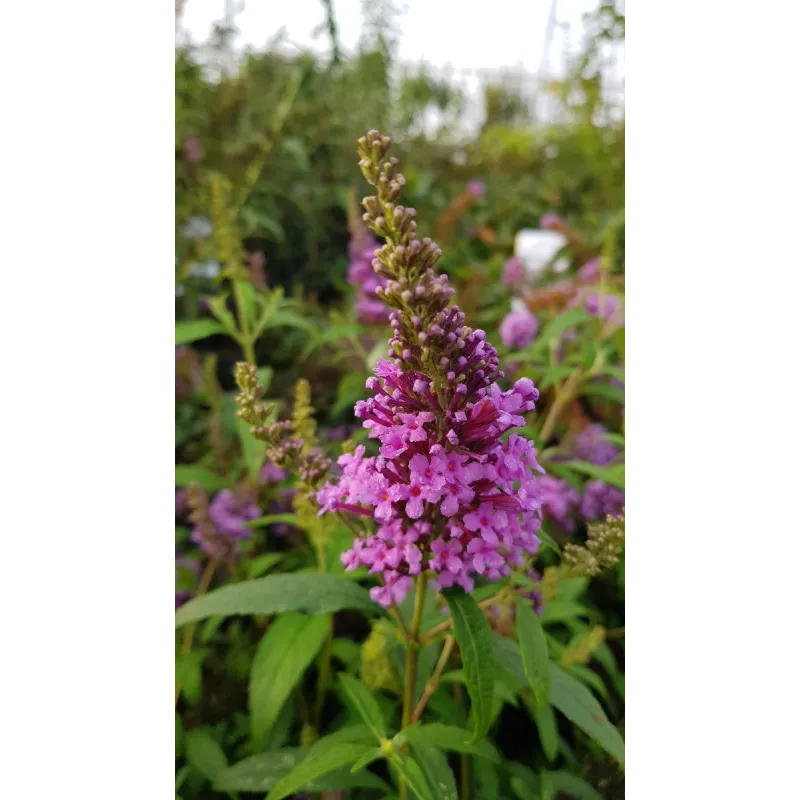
(476, 188)
(590, 271)
(193, 148)
(513, 272)
(592, 445)
(550, 221)
(518, 329)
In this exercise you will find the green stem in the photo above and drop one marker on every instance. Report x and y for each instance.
(412, 650)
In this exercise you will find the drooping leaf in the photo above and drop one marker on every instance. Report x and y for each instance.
(545, 719)
(311, 768)
(188, 332)
(204, 754)
(579, 706)
(533, 649)
(573, 786)
(310, 593)
(261, 772)
(411, 772)
(204, 478)
(436, 770)
(366, 705)
(474, 638)
(285, 652)
(448, 737)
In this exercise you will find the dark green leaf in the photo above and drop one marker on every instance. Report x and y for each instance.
(448, 737)
(311, 593)
(436, 770)
(313, 767)
(188, 332)
(189, 674)
(573, 786)
(204, 478)
(178, 736)
(346, 651)
(533, 649)
(366, 705)
(366, 760)
(545, 720)
(474, 638)
(411, 772)
(204, 754)
(261, 772)
(287, 649)
(579, 706)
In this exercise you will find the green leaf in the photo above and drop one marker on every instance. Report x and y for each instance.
(504, 691)
(219, 309)
(436, 770)
(274, 519)
(619, 343)
(350, 389)
(411, 772)
(248, 301)
(346, 651)
(571, 588)
(204, 754)
(366, 705)
(573, 786)
(533, 649)
(561, 610)
(178, 735)
(474, 639)
(188, 332)
(366, 760)
(288, 319)
(261, 772)
(523, 781)
(287, 649)
(545, 720)
(604, 391)
(257, 566)
(314, 767)
(615, 476)
(562, 323)
(508, 657)
(204, 478)
(189, 674)
(579, 706)
(253, 450)
(310, 592)
(546, 789)
(448, 737)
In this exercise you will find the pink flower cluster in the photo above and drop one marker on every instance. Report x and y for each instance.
(448, 495)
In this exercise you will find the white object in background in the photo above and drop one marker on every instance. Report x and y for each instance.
(517, 304)
(537, 248)
(208, 269)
